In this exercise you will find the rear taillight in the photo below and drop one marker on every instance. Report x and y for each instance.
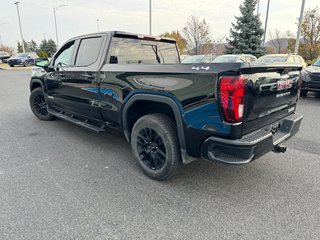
(232, 97)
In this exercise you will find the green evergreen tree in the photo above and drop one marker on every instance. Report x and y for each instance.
(33, 46)
(246, 34)
(19, 47)
(50, 47)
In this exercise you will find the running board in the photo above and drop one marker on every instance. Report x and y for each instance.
(77, 121)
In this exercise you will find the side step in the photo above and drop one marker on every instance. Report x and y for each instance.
(78, 122)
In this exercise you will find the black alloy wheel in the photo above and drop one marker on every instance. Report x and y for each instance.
(39, 105)
(151, 149)
(154, 142)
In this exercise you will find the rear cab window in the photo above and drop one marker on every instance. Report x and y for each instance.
(140, 51)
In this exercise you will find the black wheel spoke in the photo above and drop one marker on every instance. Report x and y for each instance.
(40, 104)
(161, 153)
(151, 149)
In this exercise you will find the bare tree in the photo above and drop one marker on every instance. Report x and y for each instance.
(218, 46)
(311, 33)
(278, 41)
(197, 33)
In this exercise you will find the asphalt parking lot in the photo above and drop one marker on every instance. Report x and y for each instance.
(60, 181)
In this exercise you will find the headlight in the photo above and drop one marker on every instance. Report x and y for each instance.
(305, 76)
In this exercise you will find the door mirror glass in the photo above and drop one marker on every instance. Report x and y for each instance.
(42, 63)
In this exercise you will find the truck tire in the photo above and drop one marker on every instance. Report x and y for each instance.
(39, 105)
(11, 65)
(154, 143)
(303, 93)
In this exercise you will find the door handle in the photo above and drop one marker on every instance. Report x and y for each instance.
(60, 76)
(88, 76)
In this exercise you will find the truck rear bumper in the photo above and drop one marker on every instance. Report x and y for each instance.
(253, 145)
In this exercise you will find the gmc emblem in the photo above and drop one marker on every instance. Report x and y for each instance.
(281, 85)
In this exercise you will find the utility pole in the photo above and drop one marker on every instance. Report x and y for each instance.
(22, 42)
(266, 24)
(98, 25)
(150, 18)
(296, 49)
(55, 21)
(258, 6)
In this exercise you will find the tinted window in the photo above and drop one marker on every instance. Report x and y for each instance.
(291, 59)
(272, 59)
(21, 55)
(65, 55)
(317, 63)
(297, 60)
(193, 59)
(250, 59)
(226, 59)
(88, 51)
(136, 51)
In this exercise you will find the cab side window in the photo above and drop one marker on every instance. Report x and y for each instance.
(88, 51)
(65, 55)
(298, 60)
(290, 59)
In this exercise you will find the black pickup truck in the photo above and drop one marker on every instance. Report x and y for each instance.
(170, 112)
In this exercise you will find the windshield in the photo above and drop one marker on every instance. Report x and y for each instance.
(272, 59)
(193, 59)
(226, 59)
(317, 63)
(21, 55)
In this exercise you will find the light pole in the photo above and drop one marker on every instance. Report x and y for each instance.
(22, 42)
(150, 18)
(296, 49)
(266, 24)
(55, 21)
(98, 25)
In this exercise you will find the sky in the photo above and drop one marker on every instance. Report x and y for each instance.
(80, 17)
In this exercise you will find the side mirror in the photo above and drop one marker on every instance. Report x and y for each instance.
(42, 63)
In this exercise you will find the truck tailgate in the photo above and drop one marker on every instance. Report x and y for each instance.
(271, 95)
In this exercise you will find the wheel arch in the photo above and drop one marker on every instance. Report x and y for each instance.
(158, 99)
(35, 83)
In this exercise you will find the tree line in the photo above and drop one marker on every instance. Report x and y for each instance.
(246, 35)
(44, 50)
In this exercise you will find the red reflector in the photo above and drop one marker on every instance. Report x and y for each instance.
(232, 97)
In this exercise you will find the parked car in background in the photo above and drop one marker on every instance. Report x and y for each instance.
(235, 58)
(311, 79)
(282, 58)
(23, 59)
(4, 56)
(199, 59)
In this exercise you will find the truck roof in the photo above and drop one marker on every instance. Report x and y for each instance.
(127, 35)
